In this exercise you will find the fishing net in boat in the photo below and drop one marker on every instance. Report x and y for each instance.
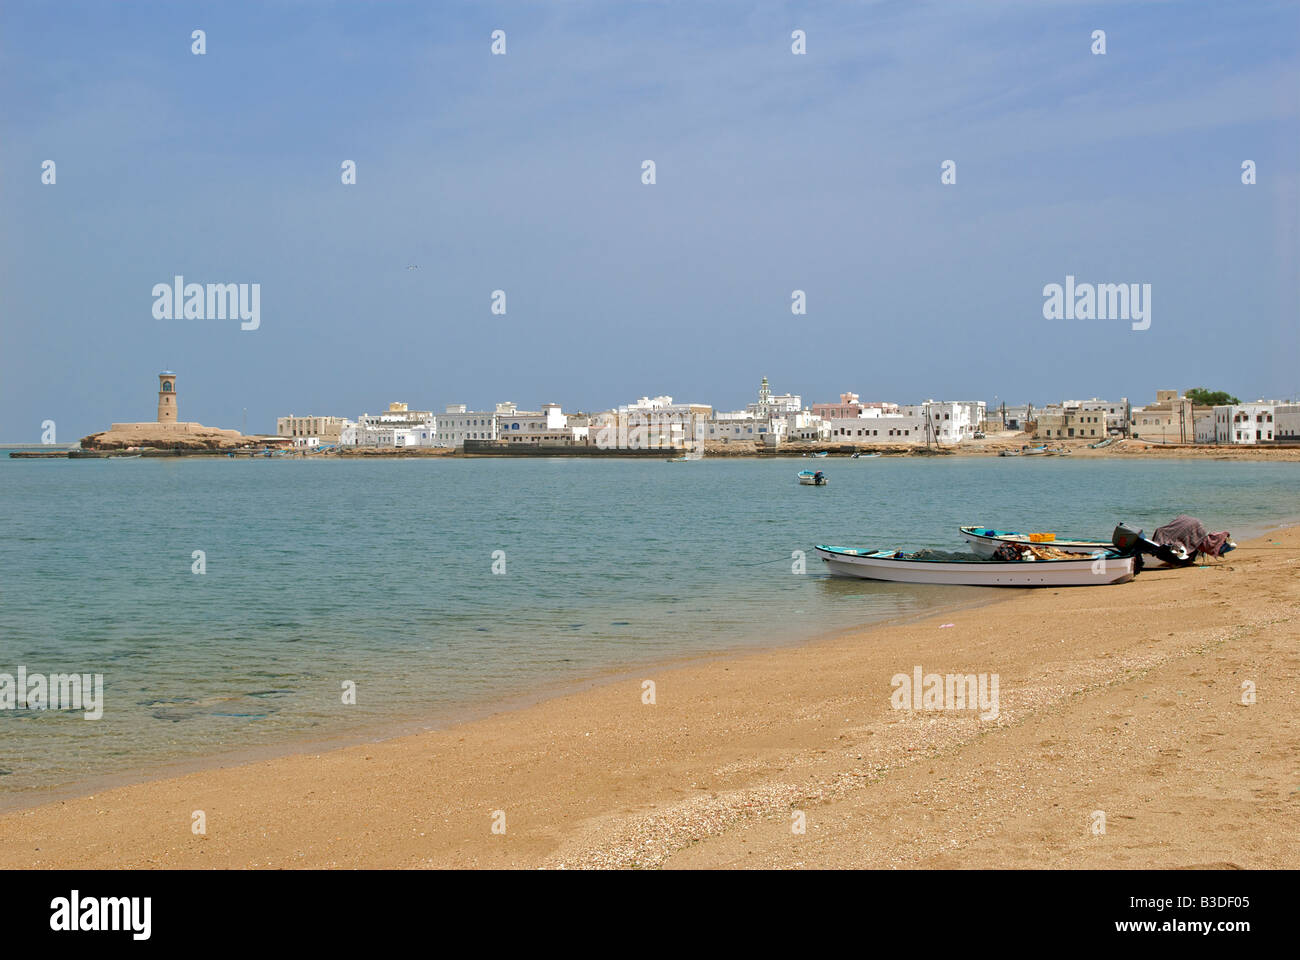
(1037, 551)
(948, 555)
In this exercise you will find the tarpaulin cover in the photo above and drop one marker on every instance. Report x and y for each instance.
(1190, 534)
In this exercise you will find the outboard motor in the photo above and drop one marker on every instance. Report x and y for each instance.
(1129, 541)
(1125, 538)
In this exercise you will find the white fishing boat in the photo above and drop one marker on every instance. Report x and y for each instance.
(1107, 567)
(813, 478)
(686, 457)
(824, 453)
(984, 542)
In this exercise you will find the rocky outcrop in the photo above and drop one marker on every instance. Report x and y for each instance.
(165, 437)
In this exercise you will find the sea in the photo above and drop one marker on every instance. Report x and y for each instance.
(242, 607)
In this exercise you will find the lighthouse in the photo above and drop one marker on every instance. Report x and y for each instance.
(166, 397)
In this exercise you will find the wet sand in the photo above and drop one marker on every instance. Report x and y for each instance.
(1120, 702)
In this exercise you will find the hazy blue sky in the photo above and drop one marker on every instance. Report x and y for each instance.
(523, 172)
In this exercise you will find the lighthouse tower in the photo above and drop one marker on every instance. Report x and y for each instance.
(166, 397)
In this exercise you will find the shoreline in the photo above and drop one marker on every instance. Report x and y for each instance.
(1113, 699)
(466, 712)
(1125, 450)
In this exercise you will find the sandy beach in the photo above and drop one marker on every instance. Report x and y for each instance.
(1121, 701)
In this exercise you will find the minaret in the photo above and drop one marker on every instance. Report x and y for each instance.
(764, 395)
(166, 397)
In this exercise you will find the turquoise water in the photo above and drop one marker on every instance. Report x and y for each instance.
(380, 573)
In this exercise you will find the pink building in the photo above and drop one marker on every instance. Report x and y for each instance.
(850, 407)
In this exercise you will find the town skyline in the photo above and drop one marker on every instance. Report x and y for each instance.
(199, 410)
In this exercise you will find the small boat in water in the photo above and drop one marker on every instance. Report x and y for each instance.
(686, 457)
(824, 453)
(1032, 570)
(813, 478)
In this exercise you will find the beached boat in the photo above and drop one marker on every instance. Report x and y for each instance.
(1107, 567)
(984, 542)
(813, 478)
(1033, 451)
(824, 453)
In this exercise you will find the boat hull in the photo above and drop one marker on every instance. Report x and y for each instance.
(880, 565)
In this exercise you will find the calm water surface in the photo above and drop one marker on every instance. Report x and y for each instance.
(381, 573)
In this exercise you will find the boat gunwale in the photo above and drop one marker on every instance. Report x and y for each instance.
(1005, 536)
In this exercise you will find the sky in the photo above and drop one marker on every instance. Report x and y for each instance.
(522, 172)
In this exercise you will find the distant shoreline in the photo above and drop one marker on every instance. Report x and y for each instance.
(1122, 450)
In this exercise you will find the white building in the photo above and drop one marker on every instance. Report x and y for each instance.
(878, 428)
(548, 425)
(952, 420)
(458, 424)
(805, 425)
(651, 423)
(397, 426)
(1245, 423)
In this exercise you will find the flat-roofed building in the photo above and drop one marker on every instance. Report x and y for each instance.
(546, 426)
(324, 429)
(1171, 419)
(1066, 423)
(1246, 423)
(457, 424)
(398, 426)
(1287, 417)
(952, 421)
